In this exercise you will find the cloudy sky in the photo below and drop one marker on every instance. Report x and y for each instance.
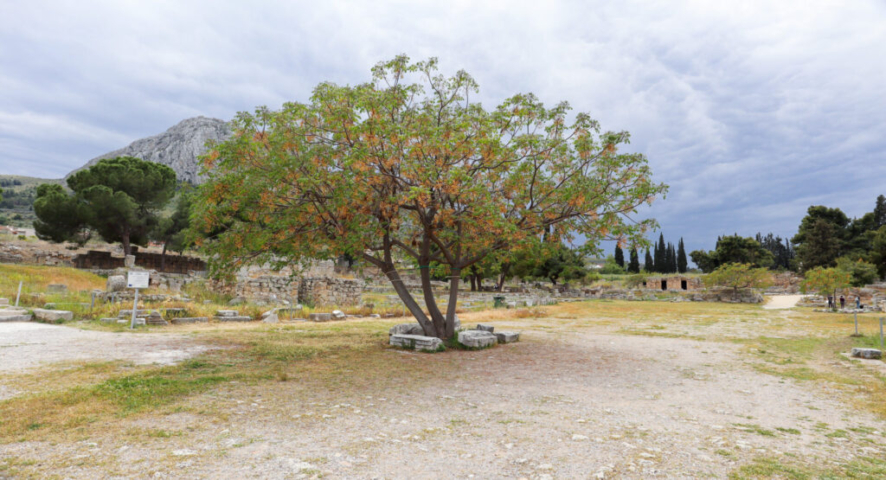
(750, 111)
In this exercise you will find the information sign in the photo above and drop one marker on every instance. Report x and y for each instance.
(138, 279)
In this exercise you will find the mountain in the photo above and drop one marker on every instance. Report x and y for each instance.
(177, 148)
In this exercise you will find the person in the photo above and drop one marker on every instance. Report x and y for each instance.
(830, 301)
(857, 302)
(842, 302)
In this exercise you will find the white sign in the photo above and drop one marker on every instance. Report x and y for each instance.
(138, 279)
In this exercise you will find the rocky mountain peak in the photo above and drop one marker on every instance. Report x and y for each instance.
(177, 148)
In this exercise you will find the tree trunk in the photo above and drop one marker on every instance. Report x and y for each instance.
(124, 239)
(426, 324)
(163, 258)
(453, 300)
(473, 284)
(505, 269)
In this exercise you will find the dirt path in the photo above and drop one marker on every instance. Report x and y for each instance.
(28, 345)
(777, 302)
(556, 405)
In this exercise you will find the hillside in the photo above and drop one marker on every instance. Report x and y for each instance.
(18, 199)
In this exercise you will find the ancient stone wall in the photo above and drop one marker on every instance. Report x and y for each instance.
(675, 282)
(263, 287)
(330, 291)
(102, 260)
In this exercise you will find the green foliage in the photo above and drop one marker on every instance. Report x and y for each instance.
(738, 275)
(611, 267)
(877, 254)
(825, 281)
(173, 229)
(406, 165)
(118, 198)
(821, 246)
(861, 273)
(635, 281)
(733, 249)
(648, 262)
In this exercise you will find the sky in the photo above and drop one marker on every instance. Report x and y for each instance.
(750, 111)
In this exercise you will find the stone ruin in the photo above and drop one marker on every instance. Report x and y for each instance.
(674, 282)
(104, 260)
(315, 284)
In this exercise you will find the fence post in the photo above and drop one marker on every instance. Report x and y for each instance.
(19, 294)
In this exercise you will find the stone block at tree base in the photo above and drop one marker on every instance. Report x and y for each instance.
(476, 339)
(227, 313)
(186, 320)
(485, 328)
(320, 317)
(53, 315)
(234, 318)
(868, 353)
(406, 329)
(417, 342)
(507, 337)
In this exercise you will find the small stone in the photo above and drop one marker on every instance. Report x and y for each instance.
(417, 342)
(579, 438)
(485, 328)
(507, 337)
(53, 315)
(338, 314)
(183, 452)
(320, 317)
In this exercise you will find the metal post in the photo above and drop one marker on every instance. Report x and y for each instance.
(92, 304)
(856, 324)
(19, 294)
(134, 310)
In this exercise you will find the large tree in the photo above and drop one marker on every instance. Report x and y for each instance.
(682, 264)
(737, 276)
(118, 198)
(619, 256)
(408, 165)
(172, 230)
(821, 246)
(733, 249)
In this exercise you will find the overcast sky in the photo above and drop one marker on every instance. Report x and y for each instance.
(750, 111)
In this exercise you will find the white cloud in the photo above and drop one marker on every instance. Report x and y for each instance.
(743, 107)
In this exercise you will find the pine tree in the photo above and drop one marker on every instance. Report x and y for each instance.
(619, 256)
(681, 257)
(648, 263)
(634, 265)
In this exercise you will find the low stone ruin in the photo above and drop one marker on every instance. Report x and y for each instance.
(231, 316)
(12, 314)
(867, 353)
(416, 342)
(411, 336)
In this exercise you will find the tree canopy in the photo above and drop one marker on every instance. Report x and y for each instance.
(737, 276)
(733, 249)
(408, 165)
(117, 198)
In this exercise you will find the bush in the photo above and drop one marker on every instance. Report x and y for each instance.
(635, 281)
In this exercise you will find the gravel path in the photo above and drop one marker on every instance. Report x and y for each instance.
(27, 345)
(778, 302)
(584, 405)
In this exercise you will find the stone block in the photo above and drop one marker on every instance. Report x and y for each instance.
(15, 316)
(320, 317)
(234, 318)
(138, 313)
(270, 317)
(129, 261)
(476, 338)
(155, 319)
(115, 283)
(187, 320)
(4, 302)
(485, 328)
(339, 314)
(868, 353)
(507, 337)
(139, 322)
(417, 342)
(406, 329)
(53, 315)
(227, 313)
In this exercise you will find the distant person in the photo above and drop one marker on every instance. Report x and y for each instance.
(830, 301)
(842, 302)
(857, 302)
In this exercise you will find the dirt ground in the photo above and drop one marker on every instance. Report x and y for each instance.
(559, 404)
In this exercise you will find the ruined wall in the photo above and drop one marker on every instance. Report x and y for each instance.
(675, 282)
(102, 260)
(263, 287)
(330, 291)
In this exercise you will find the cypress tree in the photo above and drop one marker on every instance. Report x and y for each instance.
(660, 261)
(634, 265)
(880, 211)
(681, 257)
(672, 258)
(648, 263)
(619, 256)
